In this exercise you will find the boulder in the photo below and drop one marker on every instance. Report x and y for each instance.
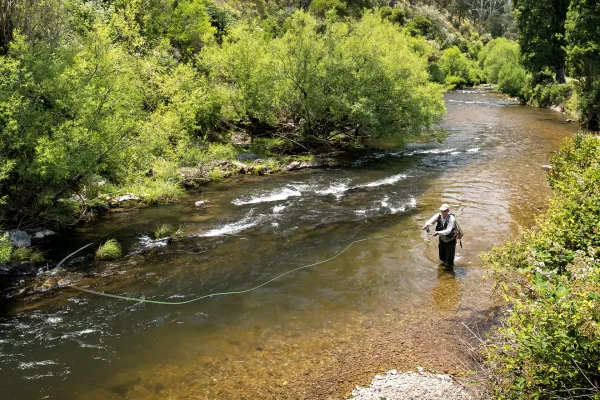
(101, 207)
(19, 238)
(293, 166)
(201, 203)
(43, 234)
(558, 108)
(240, 167)
(246, 157)
(124, 198)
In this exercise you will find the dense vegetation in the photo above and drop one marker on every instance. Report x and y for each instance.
(549, 342)
(99, 98)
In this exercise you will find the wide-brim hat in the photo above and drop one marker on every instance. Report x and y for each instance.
(444, 207)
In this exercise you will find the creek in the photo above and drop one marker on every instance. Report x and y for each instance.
(314, 333)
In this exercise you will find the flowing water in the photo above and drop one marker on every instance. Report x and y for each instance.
(65, 344)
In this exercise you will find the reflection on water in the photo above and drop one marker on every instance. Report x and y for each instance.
(72, 345)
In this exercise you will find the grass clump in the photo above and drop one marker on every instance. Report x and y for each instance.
(21, 254)
(166, 230)
(37, 256)
(110, 250)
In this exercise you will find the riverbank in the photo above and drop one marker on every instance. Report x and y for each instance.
(548, 342)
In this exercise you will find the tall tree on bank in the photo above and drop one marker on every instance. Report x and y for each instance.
(541, 26)
(583, 37)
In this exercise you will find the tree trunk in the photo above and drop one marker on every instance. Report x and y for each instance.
(560, 74)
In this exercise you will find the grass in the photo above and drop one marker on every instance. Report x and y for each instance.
(110, 250)
(21, 254)
(166, 230)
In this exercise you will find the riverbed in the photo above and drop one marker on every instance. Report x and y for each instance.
(317, 332)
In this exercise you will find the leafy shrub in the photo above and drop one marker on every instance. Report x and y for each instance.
(513, 79)
(456, 69)
(110, 250)
(5, 248)
(395, 15)
(549, 94)
(264, 146)
(549, 342)
(495, 54)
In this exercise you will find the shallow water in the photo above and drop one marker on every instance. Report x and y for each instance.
(65, 344)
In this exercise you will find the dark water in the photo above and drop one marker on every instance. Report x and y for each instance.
(64, 344)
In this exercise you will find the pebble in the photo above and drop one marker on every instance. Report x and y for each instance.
(411, 386)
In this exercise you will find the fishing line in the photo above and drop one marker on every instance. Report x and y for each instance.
(174, 303)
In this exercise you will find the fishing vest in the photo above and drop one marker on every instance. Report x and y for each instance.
(441, 226)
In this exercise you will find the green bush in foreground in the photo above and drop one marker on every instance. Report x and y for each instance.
(549, 342)
(110, 250)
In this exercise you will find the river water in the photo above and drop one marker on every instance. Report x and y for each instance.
(66, 344)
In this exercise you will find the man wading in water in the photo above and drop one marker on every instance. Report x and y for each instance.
(446, 230)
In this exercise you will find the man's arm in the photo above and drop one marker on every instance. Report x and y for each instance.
(449, 228)
(430, 221)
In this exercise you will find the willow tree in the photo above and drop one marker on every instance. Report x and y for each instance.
(541, 26)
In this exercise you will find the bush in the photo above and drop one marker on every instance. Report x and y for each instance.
(549, 342)
(513, 79)
(495, 54)
(549, 94)
(110, 250)
(266, 147)
(5, 248)
(456, 69)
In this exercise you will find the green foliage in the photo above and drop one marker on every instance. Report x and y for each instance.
(37, 256)
(163, 231)
(5, 248)
(513, 80)
(495, 54)
(546, 95)
(323, 8)
(265, 147)
(357, 77)
(456, 69)
(549, 342)
(110, 250)
(21, 254)
(190, 28)
(541, 25)
(583, 53)
(499, 60)
(396, 15)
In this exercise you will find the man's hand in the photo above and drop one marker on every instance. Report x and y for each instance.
(435, 233)
(424, 227)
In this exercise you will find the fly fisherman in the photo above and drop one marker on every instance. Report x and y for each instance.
(446, 229)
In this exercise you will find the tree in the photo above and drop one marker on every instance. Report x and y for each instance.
(541, 25)
(583, 50)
